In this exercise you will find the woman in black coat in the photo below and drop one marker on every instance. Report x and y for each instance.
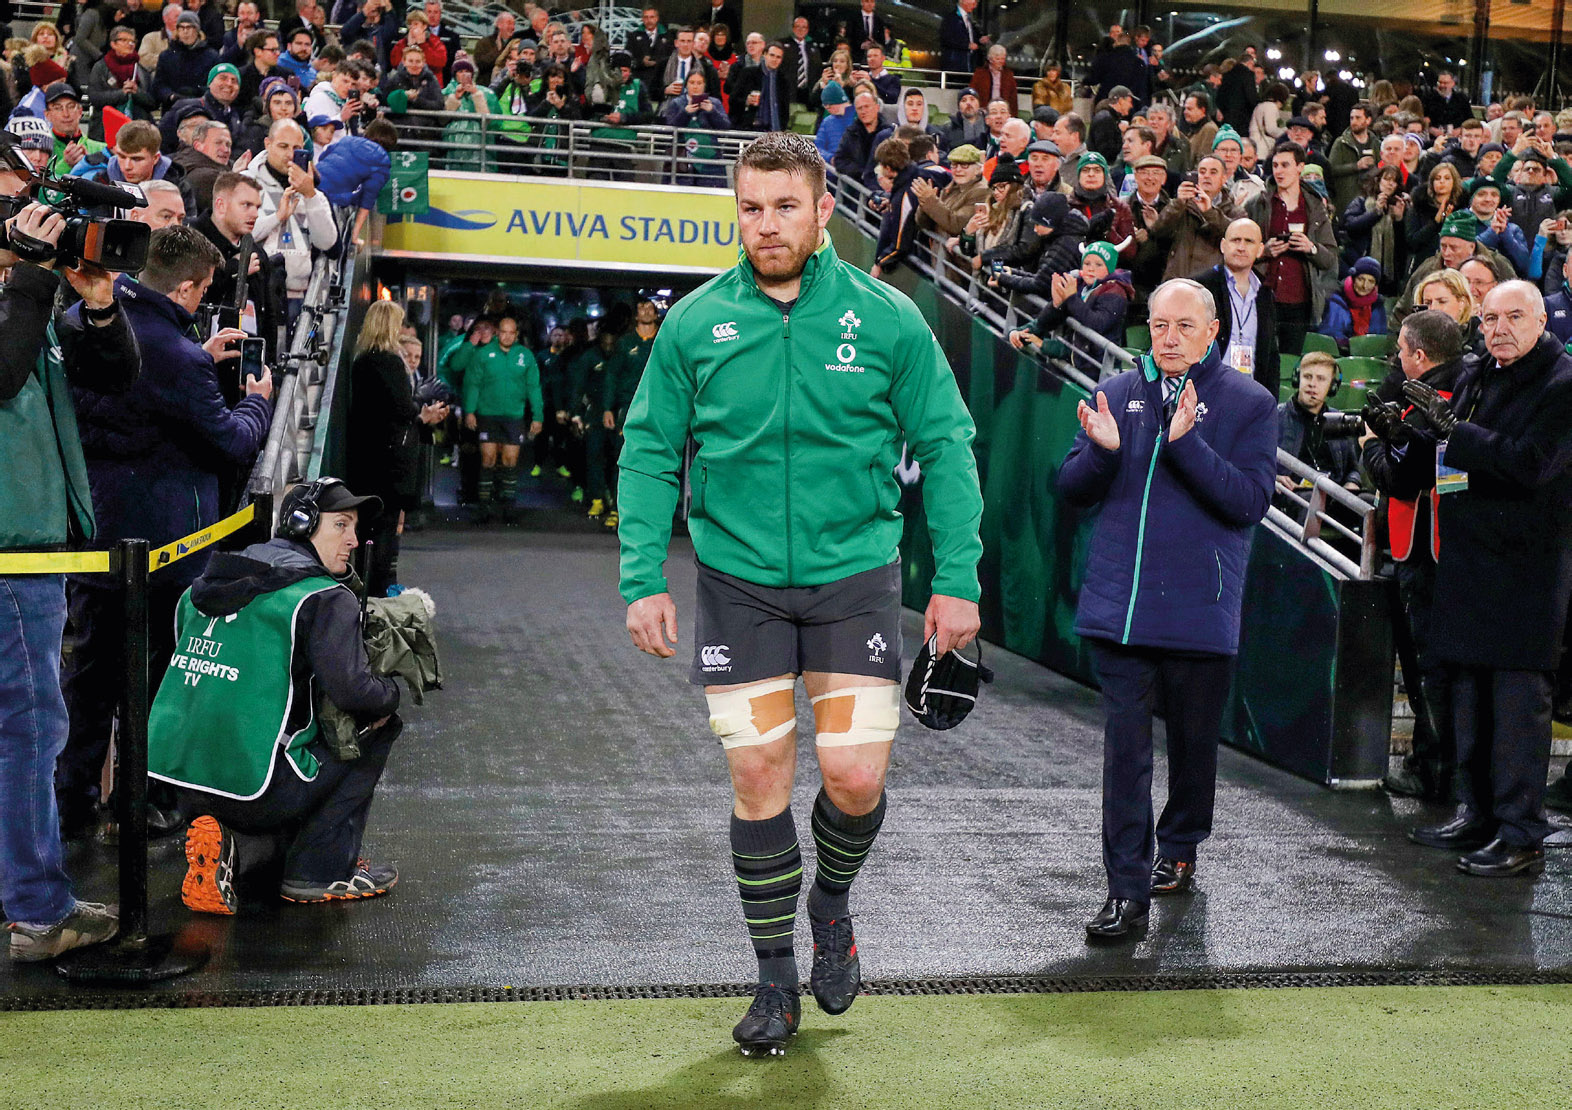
(386, 429)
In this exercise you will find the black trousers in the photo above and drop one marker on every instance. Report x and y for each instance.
(1194, 690)
(1434, 745)
(92, 677)
(1293, 321)
(309, 831)
(383, 535)
(1502, 722)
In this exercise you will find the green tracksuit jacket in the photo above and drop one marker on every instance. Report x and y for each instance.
(588, 373)
(633, 352)
(499, 383)
(799, 419)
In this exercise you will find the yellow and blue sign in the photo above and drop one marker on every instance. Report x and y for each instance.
(604, 225)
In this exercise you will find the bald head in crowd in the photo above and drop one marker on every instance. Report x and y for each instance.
(1512, 320)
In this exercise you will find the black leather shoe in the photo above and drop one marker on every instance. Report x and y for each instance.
(1171, 876)
(1463, 832)
(1119, 917)
(1499, 859)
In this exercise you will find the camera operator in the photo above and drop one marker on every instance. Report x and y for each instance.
(1430, 350)
(1308, 428)
(154, 462)
(44, 503)
(1503, 451)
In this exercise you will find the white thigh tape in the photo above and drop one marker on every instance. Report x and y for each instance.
(735, 715)
(872, 717)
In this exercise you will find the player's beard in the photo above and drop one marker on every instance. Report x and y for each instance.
(783, 265)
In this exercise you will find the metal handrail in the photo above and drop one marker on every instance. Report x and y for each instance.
(1315, 504)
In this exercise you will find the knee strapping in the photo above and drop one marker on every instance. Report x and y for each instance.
(857, 715)
(754, 715)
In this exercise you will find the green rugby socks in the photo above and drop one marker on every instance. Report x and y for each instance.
(843, 842)
(768, 863)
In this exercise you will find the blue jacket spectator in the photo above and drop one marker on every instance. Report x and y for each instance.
(204, 105)
(381, 34)
(183, 69)
(1166, 565)
(1099, 301)
(1510, 243)
(153, 454)
(304, 72)
(1356, 307)
(1558, 314)
(352, 171)
(828, 137)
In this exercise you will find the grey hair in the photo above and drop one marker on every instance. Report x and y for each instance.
(158, 185)
(1536, 298)
(1201, 291)
(1158, 108)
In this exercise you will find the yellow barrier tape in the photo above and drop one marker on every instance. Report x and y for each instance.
(196, 541)
(55, 562)
(97, 562)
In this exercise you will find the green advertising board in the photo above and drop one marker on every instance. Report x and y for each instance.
(406, 193)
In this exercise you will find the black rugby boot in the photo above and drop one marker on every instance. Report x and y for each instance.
(771, 1020)
(837, 973)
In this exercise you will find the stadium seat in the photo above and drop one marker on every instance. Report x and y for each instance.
(1315, 341)
(1372, 346)
(1138, 337)
(1359, 376)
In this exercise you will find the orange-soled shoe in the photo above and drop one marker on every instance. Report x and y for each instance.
(209, 886)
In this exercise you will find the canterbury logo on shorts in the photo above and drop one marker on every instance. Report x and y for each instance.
(714, 658)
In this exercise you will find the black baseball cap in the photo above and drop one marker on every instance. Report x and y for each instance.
(59, 91)
(332, 496)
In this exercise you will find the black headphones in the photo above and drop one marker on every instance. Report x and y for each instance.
(302, 513)
(1337, 378)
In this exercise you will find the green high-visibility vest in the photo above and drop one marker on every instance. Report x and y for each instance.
(228, 701)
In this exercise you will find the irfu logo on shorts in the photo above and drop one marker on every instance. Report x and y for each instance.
(876, 648)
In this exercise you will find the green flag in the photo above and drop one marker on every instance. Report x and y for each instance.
(406, 193)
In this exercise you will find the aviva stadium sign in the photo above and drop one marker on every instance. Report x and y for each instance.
(489, 218)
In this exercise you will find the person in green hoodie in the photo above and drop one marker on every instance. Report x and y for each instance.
(800, 378)
(498, 385)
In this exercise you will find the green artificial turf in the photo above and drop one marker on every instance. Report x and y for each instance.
(1506, 1048)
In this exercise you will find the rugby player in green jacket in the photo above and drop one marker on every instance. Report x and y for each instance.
(799, 377)
(501, 380)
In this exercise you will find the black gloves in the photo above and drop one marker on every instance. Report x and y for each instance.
(1437, 412)
(1385, 419)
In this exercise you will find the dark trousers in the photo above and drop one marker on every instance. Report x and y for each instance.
(314, 829)
(601, 449)
(92, 676)
(383, 536)
(1435, 749)
(1293, 320)
(1193, 690)
(1502, 722)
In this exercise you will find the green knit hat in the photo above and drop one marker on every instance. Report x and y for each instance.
(1106, 251)
(1226, 134)
(1091, 158)
(222, 67)
(1461, 225)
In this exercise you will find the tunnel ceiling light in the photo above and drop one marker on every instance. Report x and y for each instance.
(1333, 56)
(1286, 73)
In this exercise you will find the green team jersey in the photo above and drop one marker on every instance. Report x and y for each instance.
(633, 352)
(502, 383)
(455, 362)
(229, 700)
(799, 416)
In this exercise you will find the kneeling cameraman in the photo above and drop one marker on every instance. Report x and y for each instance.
(234, 726)
(44, 504)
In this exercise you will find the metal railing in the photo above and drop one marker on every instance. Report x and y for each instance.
(1315, 504)
(305, 374)
(650, 154)
(1091, 357)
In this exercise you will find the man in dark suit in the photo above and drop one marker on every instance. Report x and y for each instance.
(720, 11)
(761, 97)
(1503, 576)
(871, 30)
(1246, 314)
(959, 40)
(682, 59)
(650, 46)
(803, 61)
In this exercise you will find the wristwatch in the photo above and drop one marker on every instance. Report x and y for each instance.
(100, 315)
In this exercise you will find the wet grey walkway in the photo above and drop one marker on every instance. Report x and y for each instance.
(558, 816)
